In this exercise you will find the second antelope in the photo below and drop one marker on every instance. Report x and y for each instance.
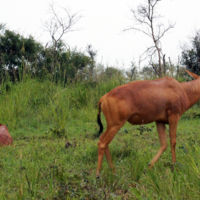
(141, 102)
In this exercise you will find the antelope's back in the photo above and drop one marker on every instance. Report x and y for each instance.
(155, 98)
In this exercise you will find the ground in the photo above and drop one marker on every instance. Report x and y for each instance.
(39, 166)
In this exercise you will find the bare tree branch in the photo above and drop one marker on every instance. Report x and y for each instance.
(137, 29)
(147, 53)
(145, 16)
(58, 25)
(154, 68)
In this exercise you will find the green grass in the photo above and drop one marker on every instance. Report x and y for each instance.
(38, 166)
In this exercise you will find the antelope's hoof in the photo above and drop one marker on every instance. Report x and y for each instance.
(97, 175)
(145, 171)
(150, 166)
(178, 164)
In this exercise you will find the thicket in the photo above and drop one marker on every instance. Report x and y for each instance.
(32, 102)
(21, 56)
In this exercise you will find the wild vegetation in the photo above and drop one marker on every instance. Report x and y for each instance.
(54, 154)
(50, 106)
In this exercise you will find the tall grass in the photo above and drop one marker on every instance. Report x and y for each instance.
(31, 102)
(38, 166)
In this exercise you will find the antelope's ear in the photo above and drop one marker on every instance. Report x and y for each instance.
(195, 76)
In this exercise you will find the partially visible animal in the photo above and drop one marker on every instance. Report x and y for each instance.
(163, 100)
(5, 137)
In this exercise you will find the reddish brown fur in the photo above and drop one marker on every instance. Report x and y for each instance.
(5, 138)
(141, 102)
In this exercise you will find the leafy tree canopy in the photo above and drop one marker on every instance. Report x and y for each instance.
(19, 54)
(191, 56)
(17, 51)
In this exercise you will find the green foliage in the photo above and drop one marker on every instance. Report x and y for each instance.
(57, 132)
(35, 101)
(67, 63)
(192, 113)
(24, 55)
(2, 26)
(191, 56)
(18, 53)
(132, 73)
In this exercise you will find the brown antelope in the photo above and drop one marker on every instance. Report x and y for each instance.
(5, 137)
(163, 100)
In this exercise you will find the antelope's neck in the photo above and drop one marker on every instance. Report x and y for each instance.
(192, 90)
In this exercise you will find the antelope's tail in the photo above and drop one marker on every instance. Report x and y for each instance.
(99, 120)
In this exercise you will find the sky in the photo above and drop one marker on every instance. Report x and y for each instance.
(102, 26)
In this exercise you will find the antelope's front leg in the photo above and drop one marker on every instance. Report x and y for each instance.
(163, 143)
(173, 123)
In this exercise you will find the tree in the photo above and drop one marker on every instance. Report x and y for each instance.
(71, 64)
(2, 27)
(191, 56)
(92, 53)
(147, 73)
(132, 73)
(146, 21)
(58, 26)
(112, 72)
(18, 53)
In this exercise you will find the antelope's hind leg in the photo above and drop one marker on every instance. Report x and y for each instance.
(105, 139)
(109, 159)
(163, 143)
(116, 116)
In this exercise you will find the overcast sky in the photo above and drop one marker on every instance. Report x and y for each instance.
(101, 26)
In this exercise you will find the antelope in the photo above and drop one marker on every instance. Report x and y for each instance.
(163, 101)
(5, 137)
